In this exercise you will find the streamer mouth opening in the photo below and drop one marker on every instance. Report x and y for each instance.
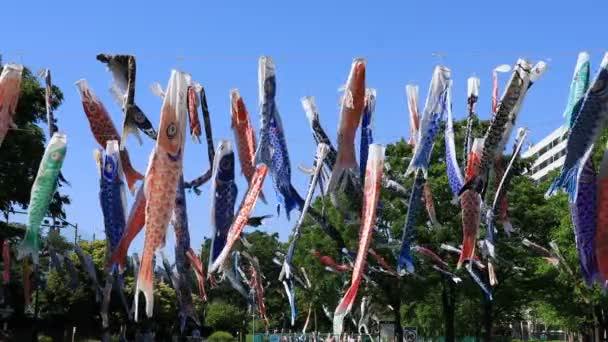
(175, 157)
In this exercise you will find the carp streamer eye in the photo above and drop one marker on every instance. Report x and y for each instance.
(225, 163)
(55, 155)
(171, 131)
(109, 167)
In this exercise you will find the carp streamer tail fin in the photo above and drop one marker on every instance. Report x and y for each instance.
(468, 250)
(145, 285)
(29, 246)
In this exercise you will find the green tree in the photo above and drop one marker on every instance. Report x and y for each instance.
(22, 149)
(225, 316)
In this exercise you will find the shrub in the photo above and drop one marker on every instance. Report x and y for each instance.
(221, 336)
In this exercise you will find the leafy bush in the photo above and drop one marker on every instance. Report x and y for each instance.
(221, 336)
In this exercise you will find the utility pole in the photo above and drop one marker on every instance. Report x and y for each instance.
(253, 325)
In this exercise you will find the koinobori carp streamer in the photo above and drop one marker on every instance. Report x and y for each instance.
(162, 177)
(10, 88)
(470, 201)
(42, 192)
(123, 70)
(103, 129)
(501, 121)
(351, 110)
(240, 221)
(371, 194)
(272, 138)
(411, 92)
(223, 192)
(244, 136)
(434, 108)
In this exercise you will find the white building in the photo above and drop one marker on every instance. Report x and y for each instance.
(548, 154)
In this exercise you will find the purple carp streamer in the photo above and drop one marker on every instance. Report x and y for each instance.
(588, 124)
(584, 218)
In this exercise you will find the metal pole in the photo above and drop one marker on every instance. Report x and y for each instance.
(76, 233)
(253, 325)
(35, 325)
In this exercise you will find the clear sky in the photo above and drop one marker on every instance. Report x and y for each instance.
(313, 43)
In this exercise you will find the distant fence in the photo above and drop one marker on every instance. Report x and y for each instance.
(321, 337)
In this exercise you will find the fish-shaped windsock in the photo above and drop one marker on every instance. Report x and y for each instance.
(256, 285)
(195, 124)
(330, 262)
(103, 129)
(427, 252)
(272, 148)
(112, 197)
(112, 194)
(434, 108)
(106, 293)
(501, 122)
(167, 269)
(318, 133)
(479, 281)
(499, 69)
(584, 217)
(472, 97)
(601, 233)
(578, 88)
(429, 204)
(86, 261)
(183, 292)
(373, 180)
(438, 264)
(320, 155)
(470, 202)
(123, 70)
(455, 179)
(351, 110)
(405, 263)
(498, 212)
(231, 270)
(286, 271)
(535, 73)
(541, 251)
(366, 129)
(223, 192)
(199, 272)
(41, 195)
(411, 92)
(379, 259)
(180, 227)
(240, 221)
(244, 136)
(588, 117)
(10, 88)
(185, 258)
(162, 177)
(135, 223)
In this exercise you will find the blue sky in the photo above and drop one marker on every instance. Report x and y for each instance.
(313, 44)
